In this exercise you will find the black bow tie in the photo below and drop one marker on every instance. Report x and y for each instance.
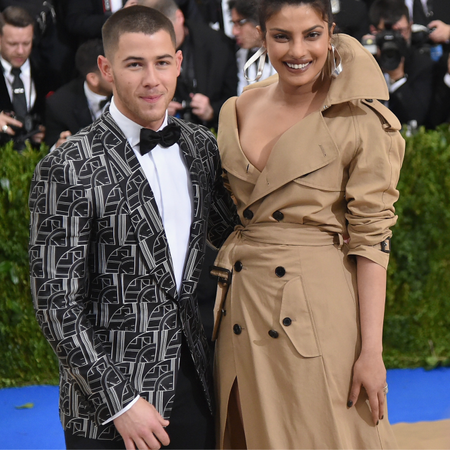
(168, 136)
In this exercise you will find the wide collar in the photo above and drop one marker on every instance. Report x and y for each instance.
(308, 145)
(140, 200)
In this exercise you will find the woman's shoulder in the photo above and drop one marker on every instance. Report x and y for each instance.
(371, 110)
(254, 96)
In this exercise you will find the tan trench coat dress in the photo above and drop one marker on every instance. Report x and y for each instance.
(287, 319)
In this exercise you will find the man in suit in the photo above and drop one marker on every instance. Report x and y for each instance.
(410, 79)
(245, 20)
(22, 91)
(208, 73)
(78, 103)
(119, 219)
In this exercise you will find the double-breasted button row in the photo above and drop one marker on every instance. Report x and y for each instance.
(238, 266)
(278, 216)
(273, 334)
(248, 214)
(287, 321)
(280, 271)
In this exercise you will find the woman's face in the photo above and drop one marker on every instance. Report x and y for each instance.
(297, 41)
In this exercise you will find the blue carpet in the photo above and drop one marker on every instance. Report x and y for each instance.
(414, 395)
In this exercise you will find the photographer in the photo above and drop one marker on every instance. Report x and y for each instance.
(22, 102)
(408, 73)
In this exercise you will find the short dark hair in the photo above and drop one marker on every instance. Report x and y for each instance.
(267, 8)
(86, 56)
(135, 19)
(15, 16)
(390, 11)
(248, 9)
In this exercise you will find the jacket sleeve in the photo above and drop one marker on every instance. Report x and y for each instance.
(61, 210)
(223, 216)
(373, 176)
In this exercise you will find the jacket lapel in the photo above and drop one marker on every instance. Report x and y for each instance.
(145, 217)
(293, 157)
(198, 179)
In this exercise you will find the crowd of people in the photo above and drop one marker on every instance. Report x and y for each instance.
(63, 92)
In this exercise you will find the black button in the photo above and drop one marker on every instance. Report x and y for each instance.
(248, 214)
(273, 334)
(237, 329)
(278, 215)
(287, 321)
(238, 266)
(280, 271)
(369, 100)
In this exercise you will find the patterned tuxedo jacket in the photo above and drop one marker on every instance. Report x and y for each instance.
(101, 273)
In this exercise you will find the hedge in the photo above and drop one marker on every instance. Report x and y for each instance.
(417, 325)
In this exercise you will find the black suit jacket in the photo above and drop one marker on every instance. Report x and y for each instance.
(214, 65)
(40, 86)
(66, 109)
(412, 100)
(101, 274)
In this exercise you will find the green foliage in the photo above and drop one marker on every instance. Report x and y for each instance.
(26, 358)
(417, 326)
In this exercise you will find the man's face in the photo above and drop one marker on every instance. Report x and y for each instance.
(143, 70)
(403, 25)
(246, 34)
(15, 44)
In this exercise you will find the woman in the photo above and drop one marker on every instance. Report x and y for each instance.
(312, 160)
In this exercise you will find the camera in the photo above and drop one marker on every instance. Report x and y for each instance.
(392, 48)
(30, 126)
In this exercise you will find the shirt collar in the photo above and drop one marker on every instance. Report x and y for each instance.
(92, 97)
(130, 129)
(25, 68)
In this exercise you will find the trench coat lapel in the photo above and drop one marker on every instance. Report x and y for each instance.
(304, 148)
(145, 217)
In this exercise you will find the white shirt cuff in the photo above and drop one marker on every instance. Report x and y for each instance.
(447, 79)
(394, 86)
(122, 411)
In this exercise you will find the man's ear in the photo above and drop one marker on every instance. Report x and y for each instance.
(105, 68)
(179, 60)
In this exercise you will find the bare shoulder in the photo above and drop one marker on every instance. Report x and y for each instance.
(251, 101)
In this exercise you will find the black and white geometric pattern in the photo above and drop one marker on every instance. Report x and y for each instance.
(102, 278)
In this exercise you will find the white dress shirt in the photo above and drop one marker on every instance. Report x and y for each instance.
(169, 179)
(94, 100)
(25, 76)
(410, 5)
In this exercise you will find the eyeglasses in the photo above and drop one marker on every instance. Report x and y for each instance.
(239, 23)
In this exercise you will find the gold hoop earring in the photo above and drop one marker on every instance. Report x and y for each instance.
(261, 55)
(336, 62)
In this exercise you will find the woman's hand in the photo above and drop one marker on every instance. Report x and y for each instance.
(369, 372)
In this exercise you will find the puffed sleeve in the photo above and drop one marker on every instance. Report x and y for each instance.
(371, 190)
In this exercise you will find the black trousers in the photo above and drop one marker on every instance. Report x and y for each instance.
(191, 423)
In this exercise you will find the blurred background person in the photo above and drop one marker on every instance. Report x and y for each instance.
(351, 17)
(22, 87)
(244, 17)
(78, 103)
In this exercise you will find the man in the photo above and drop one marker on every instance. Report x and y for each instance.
(244, 17)
(80, 102)
(410, 79)
(208, 73)
(119, 216)
(22, 91)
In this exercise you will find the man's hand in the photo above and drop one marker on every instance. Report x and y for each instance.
(141, 427)
(201, 107)
(441, 33)
(62, 138)
(5, 123)
(173, 108)
(39, 137)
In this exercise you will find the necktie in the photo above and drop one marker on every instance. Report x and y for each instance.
(419, 15)
(168, 136)
(19, 100)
